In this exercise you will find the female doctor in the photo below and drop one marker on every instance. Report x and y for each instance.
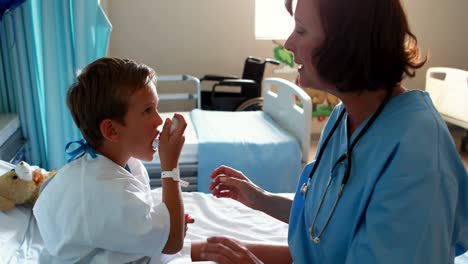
(386, 184)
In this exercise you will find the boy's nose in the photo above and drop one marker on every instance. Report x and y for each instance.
(158, 120)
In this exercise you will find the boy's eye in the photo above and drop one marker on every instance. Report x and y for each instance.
(149, 110)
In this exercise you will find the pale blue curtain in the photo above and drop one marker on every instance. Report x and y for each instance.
(43, 45)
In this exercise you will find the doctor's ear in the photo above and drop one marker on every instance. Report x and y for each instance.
(109, 130)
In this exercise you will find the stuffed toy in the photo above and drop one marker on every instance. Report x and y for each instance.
(319, 97)
(21, 185)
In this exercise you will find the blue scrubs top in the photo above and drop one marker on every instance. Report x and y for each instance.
(406, 198)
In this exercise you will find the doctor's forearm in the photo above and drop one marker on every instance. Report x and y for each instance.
(276, 254)
(276, 206)
(172, 197)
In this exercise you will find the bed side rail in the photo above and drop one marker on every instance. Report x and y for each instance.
(291, 107)
(181, 96)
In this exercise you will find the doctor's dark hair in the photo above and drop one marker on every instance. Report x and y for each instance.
(102, 91)
(368, 44)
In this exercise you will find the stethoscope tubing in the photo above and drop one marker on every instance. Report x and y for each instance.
(346, 156)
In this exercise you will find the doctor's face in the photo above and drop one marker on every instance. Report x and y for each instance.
(141, 123)
(306, 37)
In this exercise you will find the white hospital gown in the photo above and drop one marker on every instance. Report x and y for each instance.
(95, 210)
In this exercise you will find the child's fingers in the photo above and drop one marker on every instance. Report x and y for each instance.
(180, 118)
(189, 219)
(182, 124)
(165, 131)
(182, 141)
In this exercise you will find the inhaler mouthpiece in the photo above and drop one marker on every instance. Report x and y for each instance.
(175, 123)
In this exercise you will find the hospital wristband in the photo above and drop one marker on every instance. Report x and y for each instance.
(175, 175)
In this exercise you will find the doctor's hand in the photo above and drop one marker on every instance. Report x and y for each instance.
(170, 144)
(231, 183)
(227, 250)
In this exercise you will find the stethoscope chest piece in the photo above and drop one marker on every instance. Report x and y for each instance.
(304, 188)
(315, 239)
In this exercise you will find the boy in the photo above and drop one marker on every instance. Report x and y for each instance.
(98, 208)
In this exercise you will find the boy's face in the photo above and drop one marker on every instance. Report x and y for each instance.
(141, 123)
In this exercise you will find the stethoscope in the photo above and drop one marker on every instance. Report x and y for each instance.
(346, 156)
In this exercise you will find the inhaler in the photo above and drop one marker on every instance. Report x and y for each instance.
(175, 123)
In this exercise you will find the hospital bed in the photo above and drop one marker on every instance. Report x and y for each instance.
(270, 146)
(21, 242)
(448, 89)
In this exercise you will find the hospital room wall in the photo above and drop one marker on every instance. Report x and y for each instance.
(199, 37)
(190, 37)
(442, 31)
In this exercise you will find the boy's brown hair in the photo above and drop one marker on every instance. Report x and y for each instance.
(368, 44)
(102, 91)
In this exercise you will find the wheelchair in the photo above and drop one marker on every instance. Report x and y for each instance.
(247, 99)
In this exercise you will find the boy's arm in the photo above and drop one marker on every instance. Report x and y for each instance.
(172, 197)
(170, 145)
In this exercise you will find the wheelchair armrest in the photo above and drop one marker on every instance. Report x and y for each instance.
(217, 78)
(236, 82)
(274, 62)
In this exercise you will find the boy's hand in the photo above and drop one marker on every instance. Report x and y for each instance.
(188, 220)
(170, 145)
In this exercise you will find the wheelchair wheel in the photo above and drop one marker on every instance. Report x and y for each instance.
(253, 104)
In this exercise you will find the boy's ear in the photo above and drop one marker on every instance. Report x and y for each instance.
(109, 130)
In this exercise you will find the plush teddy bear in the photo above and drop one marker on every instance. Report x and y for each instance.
(21, 185)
